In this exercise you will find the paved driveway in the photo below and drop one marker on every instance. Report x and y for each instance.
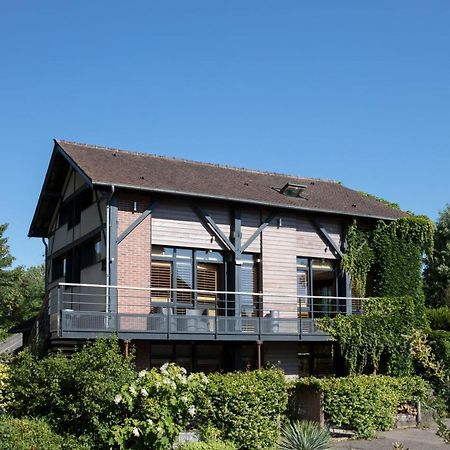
(412, 438)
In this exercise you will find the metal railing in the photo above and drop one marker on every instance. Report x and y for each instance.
(82, 310)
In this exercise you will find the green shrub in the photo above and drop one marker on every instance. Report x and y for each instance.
(5, 390)
(364, 403)
(304, 435)
(75, 395)
(247, 407)
(213, 445)
(26, 434)
(157, 406)
(440, 343)
(439, 318)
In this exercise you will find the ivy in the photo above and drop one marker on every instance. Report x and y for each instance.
(358, 259)
(392, 251)
(375, 341)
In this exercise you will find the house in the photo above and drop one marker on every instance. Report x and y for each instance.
(213, 267)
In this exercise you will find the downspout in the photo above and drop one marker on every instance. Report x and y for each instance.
(108, 245)
(45, 293)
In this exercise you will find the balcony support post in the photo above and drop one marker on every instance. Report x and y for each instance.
(259, 353)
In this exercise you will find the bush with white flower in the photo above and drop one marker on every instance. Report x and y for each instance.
(157, 406)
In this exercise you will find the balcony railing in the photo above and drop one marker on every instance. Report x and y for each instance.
(87, 310)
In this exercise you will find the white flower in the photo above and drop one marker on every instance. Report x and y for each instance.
(150, 421)
(142, 373)
(191, 410)
(163, 369)
(183, 370)
(205, 379)
(182, 378)
(184, 399)
(136, 432)
(117, 399)
(144, 392)
(132, 390)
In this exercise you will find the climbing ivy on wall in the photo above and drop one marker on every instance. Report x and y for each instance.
(375, 341)
(393, 253)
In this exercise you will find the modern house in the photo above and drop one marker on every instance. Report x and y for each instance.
(213, 267)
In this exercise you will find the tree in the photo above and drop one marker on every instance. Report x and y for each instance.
(6, 258)
(21, 289)
(437, 269)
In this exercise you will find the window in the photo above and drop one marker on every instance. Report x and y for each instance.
(70, 211)
(318, 278)
(292, 190)
(180, 268)
(59, 267)
(249, 283)
(91, 251)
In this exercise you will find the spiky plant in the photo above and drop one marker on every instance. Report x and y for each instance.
(304, 435)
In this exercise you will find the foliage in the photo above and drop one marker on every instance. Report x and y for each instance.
(247, 407)
(6, 259)
(21, 294)
(358, 259)
(304, 435)
(210, 445)
(439, 318)
(157, 406)
(435, 370)
(375, 340)
(5, 391)
(365, 403)
(440, 343)
(392, 252)
(21, 289)
(26, 434)
(74, 395)
(437, 269)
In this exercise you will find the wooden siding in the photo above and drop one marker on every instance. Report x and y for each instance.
(176, 224)
(251, 220)
(279, 265)
(310, 243)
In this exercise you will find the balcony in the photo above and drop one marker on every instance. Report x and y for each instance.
(87, 311)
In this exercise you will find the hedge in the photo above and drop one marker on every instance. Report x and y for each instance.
(217, 445)
(246, 407)
(365, 403)
(26, 434)
(439, 318)
(74, 395)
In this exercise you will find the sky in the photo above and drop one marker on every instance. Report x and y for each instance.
(355, 91)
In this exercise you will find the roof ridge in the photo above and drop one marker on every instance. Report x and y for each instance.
(201, 163)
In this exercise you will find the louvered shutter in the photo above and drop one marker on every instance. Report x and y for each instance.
(207, 275)
(161, 277)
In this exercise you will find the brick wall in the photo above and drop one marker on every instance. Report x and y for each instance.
(133, 260)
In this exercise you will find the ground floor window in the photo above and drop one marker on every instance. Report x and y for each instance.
(316, 359)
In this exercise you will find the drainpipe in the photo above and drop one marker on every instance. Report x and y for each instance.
(108, 245)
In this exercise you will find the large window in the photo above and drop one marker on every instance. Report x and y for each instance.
(317, 286)
(180, 268)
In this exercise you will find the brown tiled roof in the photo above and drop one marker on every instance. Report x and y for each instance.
(106, 166)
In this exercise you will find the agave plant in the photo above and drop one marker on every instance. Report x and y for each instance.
(304, 435)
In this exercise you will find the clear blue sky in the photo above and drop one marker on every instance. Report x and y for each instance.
(357, 91)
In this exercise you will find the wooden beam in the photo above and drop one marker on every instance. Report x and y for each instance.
(140, 219)
(326, 237)
(208, 220)
(259, 230)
